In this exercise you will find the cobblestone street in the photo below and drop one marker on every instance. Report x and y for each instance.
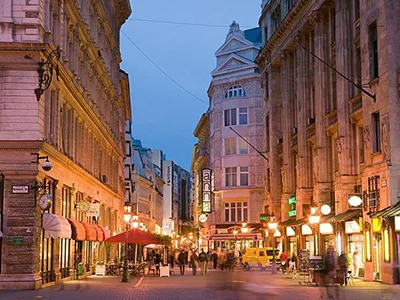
(215, 285)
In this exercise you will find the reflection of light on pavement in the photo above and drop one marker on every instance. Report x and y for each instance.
(259, 289)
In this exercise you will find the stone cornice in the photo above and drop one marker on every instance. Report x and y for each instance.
(21, 145)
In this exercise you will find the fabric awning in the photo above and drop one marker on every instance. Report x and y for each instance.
(78, 231)
(106, 232)
(100, 234)
(292, 222)
(90, 232)
(346, 216)
(56, 226)
(133, 236)
(390, 211)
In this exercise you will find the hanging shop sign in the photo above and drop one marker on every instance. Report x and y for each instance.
(94, 210)
(325, 228)
(264, 218)
(206, 190)
(203, 218)
(376, 225)
(292, 206)
(352, 227)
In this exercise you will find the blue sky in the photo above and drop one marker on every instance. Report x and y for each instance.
(163, 115)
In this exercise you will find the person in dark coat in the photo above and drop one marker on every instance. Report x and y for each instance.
(194, 262)
(214, 258)
(182, 262)
(157, 262)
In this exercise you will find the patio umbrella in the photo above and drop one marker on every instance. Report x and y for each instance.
(135, 236)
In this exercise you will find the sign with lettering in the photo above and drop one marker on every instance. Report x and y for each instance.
(264, 218)
(18, 240)
(94, 210)
(206, 190)
(20, 189)
(292, 206)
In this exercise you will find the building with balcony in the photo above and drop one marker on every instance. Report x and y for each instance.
(64, 102)
(235, 119)
(330, 71)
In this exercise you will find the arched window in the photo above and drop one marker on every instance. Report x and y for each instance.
(235, 91)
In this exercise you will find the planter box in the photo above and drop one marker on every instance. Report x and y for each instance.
(101, 270)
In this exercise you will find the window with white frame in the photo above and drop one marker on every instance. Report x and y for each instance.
(230, 117)
(244, 176)
(243, 146)
(236, 212)
(235, 91)
(230, 146)
(243, 116)
(231, 176)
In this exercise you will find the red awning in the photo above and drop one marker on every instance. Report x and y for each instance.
(132, 236)
(106, 232)
(78, 230)
(100, 234)
(91, 232)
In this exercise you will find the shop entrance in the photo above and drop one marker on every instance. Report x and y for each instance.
(355, 250)
(377, 255)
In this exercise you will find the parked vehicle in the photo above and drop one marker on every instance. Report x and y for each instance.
(260, 258)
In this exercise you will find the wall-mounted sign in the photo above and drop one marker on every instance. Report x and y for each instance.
(206, 190)
(18, 240)
(20, 189)
(264, 218)
(376, 225)
(94, 210)
(352, 227)
(203, 218)
(325, 228)
(290, 231)
(292, 206)
(221, 231)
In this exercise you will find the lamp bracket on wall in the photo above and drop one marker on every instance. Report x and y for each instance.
(45, 71)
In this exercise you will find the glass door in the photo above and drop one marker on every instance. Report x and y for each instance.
(377, 255)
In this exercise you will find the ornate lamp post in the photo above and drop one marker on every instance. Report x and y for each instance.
(272, 226)
(127, 219)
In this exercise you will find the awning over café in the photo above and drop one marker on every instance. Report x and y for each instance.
(78, 230)
(56, 226)
(390, 211)
(100, 234)
(346, 216)
(293, 222)
(106, 232)
(90, 232)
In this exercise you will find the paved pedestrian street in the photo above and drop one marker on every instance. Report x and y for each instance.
(219, 285)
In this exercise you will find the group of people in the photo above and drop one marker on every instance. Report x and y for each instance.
(288, 263)
(194, 259)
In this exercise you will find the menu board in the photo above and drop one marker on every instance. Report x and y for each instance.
(304, 259)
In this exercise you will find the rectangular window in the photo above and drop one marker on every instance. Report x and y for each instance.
(230, 146)
(239, 211)
(358, 69)
(373, 193)
(233, 212)
(243, 146)
(244, 176)
(226, 212)
(66, 205)
(245, 212)
(376, 130)
(230, 117)
(231, 176)
(361, 145)
(243, 116)
(373, 51)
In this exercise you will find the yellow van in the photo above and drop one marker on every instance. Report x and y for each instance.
(260, 258)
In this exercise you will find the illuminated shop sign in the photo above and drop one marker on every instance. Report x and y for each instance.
(292, 206)
(206, 190)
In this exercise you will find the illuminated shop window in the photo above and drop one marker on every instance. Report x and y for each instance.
(387, 245)
(368, 245)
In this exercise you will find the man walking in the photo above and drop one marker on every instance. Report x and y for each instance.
(203, 262)
(194, 261)
(182, 262)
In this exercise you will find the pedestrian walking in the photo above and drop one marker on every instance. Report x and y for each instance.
(356, 263)
(194, 261)
(182, 262)
(230, 260)
(283, 258)
(203, 262)
(214, 258)
(157, 262)
(344, 264)
(208, 260)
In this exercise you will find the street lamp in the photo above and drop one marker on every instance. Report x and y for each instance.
(272, 225)
(127, 219)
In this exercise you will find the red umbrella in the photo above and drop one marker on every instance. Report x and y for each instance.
(133, 236)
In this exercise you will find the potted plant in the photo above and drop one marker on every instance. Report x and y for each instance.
(100, 268)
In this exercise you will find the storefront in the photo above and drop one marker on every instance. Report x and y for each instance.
(309, 239)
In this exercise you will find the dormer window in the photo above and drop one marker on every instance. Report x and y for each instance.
(235, 91)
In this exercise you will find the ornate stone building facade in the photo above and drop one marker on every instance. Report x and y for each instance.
(236, 104)
(326, 138)
(77, 124)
